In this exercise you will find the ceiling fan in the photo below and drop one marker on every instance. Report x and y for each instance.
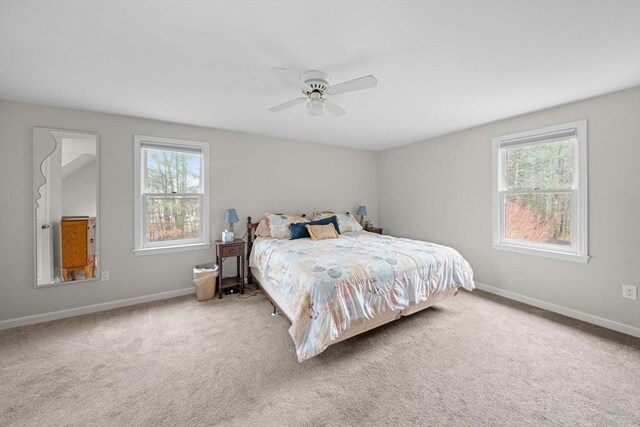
(316, 89)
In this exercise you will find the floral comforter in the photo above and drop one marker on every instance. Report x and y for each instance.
(329, 284)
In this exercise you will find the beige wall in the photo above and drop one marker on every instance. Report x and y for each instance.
(250, 173)
(440, 190)
(437, 190)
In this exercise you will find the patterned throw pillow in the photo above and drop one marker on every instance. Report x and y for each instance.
(346, 222)
(321, 214)
(262, 230)
(279, 224)
(321, 232)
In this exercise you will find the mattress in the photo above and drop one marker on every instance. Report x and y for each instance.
(327, 287)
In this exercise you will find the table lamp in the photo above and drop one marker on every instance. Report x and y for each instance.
(362, 211)
(230, 216)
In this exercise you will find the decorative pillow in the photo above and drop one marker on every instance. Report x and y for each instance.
(321, 232)
(279, 224)
(346, 222)
(321, 214)
(299, 231)
(262, 230)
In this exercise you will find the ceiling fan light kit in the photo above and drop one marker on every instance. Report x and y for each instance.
(316, 88)
(315, 107)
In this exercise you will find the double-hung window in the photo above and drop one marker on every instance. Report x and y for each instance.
(540, 192)
(171, 201)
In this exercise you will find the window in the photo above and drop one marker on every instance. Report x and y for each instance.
(171, 203)
(540, 192)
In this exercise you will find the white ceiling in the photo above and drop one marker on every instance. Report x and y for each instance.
(441, 66)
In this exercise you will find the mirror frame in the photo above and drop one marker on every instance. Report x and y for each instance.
(37, 184)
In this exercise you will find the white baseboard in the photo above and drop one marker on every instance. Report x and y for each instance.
(575, 314)
(54, 315)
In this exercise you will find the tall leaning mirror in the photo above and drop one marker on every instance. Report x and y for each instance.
(65, 189)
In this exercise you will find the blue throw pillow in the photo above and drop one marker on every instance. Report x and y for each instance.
(299, 230)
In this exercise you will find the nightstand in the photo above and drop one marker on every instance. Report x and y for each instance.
(230, 250)
(377, 230)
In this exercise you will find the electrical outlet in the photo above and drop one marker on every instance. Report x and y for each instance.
(104, 276)
(629, 291)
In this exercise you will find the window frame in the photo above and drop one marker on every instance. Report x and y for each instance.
(578, 251)
(141, 245)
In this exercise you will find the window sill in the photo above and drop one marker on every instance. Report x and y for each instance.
(542, 252)
(169, 249)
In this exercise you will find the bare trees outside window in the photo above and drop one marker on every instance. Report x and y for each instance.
(540, 192)
(172, 194)
(171, 199)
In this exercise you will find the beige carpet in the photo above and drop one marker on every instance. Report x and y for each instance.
(476, 359)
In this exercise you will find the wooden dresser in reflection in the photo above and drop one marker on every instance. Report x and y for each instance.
(78, 236)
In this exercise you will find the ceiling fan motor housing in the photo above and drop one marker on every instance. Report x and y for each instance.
(318, 81)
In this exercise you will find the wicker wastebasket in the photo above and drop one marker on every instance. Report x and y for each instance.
(204, 277)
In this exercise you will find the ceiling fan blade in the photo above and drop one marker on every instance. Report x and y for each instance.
(288, 104)
(334, 109)
(365, 82)
(291, 79)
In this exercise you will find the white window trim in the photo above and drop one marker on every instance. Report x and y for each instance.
(140, 247)
(579, 219)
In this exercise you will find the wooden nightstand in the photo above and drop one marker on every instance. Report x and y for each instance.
(377, 230)
(230, 250)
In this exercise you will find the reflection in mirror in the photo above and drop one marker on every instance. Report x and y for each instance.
(65, 177)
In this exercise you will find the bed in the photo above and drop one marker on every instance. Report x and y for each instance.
(331, 290)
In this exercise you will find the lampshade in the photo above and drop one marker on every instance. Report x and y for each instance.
(230, 216)
(362, 210)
